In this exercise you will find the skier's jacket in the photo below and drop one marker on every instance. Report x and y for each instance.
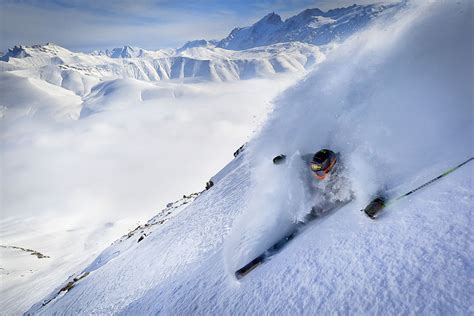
(334, 189)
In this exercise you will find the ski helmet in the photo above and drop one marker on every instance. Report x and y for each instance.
(323, 162)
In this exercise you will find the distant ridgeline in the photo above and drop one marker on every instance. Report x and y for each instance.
(311, 26)
(269, 46)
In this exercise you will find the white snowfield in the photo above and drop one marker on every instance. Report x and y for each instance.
(396, 102)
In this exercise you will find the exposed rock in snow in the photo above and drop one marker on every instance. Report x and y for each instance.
(198, 43)
(126, 52)
(32, 252)
(132, 52)
(49, 49)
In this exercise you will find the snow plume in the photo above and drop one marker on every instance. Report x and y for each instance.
(395, 101)
(270, 211)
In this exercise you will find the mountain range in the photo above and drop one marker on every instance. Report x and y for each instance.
(267, 47)
(312, 26)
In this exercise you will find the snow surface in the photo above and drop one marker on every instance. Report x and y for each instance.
(396, 102)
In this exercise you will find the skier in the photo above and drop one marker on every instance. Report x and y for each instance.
(326, 181)
(325, 165)
(322, 163)
(329, 189)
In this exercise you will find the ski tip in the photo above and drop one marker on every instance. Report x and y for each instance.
(249, 267)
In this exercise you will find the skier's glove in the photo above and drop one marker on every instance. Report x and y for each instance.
(279, 159)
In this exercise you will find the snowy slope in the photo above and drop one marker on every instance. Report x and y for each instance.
(32, 97)
(311, 26)
(72, 187)
(396, 101)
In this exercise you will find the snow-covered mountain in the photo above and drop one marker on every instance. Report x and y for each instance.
(36, 68)
(60, 66)
(131, 52)
(397, 105)
(311, 26)
(269, 46)
(79, 75)
(198, 43)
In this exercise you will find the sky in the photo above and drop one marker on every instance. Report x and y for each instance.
(86, 25)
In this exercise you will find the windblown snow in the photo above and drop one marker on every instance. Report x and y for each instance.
(396, 102)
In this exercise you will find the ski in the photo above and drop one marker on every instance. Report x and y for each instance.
(282, 242)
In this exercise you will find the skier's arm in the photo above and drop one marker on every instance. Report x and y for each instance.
(277, 160)
(280, 159)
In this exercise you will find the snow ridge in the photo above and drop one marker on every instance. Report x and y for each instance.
(311, 26)
(82, 74)
(54, 63)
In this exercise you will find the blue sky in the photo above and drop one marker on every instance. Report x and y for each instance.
(86, 25)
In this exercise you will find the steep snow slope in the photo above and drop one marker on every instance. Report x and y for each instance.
(67, 245)
(398, 106)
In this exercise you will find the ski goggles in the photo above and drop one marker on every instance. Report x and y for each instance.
(321, 170)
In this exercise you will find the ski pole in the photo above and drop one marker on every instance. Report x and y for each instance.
(379, 203)
(429, 182)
